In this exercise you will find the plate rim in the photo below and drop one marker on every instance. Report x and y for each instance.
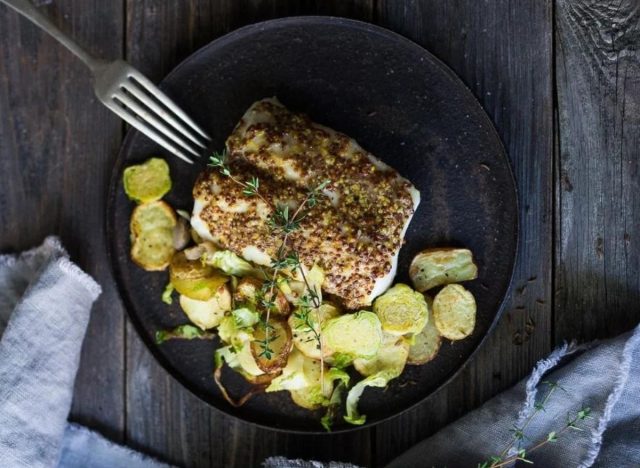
(109, 214)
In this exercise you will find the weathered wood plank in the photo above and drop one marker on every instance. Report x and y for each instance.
(503, 52)
(598, 185)
(57, 145)
(162, 417)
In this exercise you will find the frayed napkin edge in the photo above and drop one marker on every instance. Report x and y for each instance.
(75, 432)
(50, 244)
(52, 248)
(597, 434)
(81, 276)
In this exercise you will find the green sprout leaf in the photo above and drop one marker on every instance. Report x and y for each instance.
(183, 332)
(166, 294)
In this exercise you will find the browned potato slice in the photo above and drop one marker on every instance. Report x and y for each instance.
(275, 357)
(435, 267)
(193, 279)
(207, 314)
(248, 368)
(148, 181)
(248, 290)
(262, 379)
(153, 249)
(426, 343)
(454, 312)
(154, 215)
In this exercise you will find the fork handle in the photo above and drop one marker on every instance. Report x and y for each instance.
(29, 11)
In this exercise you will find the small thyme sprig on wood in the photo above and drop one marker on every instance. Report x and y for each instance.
(281, 222)
(573, 422)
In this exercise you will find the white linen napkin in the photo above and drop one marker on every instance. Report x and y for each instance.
(45, 303)
(604, 377)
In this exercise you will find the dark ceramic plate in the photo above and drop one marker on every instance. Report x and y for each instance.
(397, 101)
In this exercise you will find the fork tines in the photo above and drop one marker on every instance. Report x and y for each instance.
(141, 104)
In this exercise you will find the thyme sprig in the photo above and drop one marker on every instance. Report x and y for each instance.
(519, 436)
(283, 221)
(250, 188)
(305, 306)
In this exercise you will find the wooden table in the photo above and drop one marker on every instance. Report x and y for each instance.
(561, 82)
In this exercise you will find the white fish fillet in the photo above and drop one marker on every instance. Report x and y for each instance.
(354, 233)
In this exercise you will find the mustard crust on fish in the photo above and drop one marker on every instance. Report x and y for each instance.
(354, 232)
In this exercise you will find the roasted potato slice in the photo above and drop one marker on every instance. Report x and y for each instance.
(147, 182)
(426, 344)
(153, 249)
(207, 314)
(275, 357)
(303, 337)
(249, 367)
(454, 312)
(435, 267)
(154, 215)
(248, 290)
(193, 279)
(401, 310)
(392, 355)
(355, 335)
(243, 363)
(281, 305)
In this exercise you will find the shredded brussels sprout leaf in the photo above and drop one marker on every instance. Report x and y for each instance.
(166, 294)
(340, 360)
(380, 379)
(230, 332)
(228, 262)
(245, 317)
(184, 332)
(333, 406)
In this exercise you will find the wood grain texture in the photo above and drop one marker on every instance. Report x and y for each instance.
(503, 52)
(57, 144)
(598, 196)
(162, 417)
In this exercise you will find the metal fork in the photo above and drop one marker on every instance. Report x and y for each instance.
(129, 94)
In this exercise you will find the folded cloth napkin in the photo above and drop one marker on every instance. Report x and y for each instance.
(596, 388)
(603, 377)
(45, 301)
